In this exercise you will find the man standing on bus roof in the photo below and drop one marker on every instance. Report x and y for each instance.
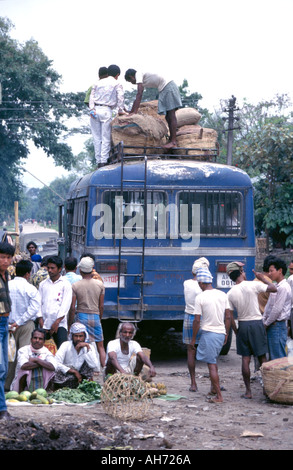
(251, 337)
(211, 315)
(105, 96)
(168, 102)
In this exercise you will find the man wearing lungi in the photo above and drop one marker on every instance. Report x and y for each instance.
(169, 99)
(35, 365)
(88, 305)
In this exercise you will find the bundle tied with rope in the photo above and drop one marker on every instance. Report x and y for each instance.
(126, 397)
(277, 378)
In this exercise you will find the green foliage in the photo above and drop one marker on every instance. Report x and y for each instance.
(43, 204)
(32, 110)
(265, 151)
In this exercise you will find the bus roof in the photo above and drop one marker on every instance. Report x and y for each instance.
(163, 173)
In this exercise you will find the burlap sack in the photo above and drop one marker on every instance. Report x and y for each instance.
(187, 117)
(196, 137)
(140, 130)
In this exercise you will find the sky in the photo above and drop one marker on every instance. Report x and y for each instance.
(222, 48)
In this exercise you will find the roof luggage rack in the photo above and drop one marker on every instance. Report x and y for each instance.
(180, 153)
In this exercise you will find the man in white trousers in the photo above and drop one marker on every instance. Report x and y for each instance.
(105, 96)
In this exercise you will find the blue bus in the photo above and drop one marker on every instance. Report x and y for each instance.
(146, 216)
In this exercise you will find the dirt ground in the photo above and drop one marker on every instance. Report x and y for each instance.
(184, 424)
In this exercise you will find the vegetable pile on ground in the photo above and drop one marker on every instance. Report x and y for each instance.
(37, 397)
(86, 391)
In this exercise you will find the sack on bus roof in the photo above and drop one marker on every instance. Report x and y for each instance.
(139, 130)
(196, 137)
(187, 117)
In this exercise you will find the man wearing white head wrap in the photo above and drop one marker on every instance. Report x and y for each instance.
(76, 359)
(191, 290)
(200, 263)
(212, 315)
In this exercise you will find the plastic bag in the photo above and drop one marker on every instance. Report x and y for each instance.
(51, 345)
(289, 347)
(11, 348)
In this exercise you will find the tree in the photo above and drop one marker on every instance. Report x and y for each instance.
(32, 109)
(265, 151)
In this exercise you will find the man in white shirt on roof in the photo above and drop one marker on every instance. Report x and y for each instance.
(169, 99)
(25, 305)
(106, 96)
(251, 337)
(56, 297)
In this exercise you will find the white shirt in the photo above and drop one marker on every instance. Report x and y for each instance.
(67, 357)
(56, 300)
(123, 359)
(290, 282)
(278, 307)
(26, 352)
(151, 80)
(244, 298)
(25, 301)
(108, 92)
(211, 305)
(191, 290)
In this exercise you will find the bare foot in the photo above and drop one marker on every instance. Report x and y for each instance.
(193, 388)
(170, 145)
(215, 399)
(247, 396)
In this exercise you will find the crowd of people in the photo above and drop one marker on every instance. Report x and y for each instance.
(55, 305)
(264, 318)
(54, 316)
(107, 96)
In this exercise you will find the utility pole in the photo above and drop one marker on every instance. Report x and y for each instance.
(231, 118)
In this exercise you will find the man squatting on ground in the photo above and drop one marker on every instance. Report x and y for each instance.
(212, 316)
(76, 359)
(125, 355)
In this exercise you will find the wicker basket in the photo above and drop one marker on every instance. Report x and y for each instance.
(277, 378)
(126, 397)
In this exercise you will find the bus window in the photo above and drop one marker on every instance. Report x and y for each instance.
(221, 212)
(127, 211)
(78, 226)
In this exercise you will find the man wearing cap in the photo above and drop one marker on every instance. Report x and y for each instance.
(251, 337)
(212, 315)
(88, 304)
(191, 290)
(76, 359)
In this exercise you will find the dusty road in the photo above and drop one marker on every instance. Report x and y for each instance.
(186, 424)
